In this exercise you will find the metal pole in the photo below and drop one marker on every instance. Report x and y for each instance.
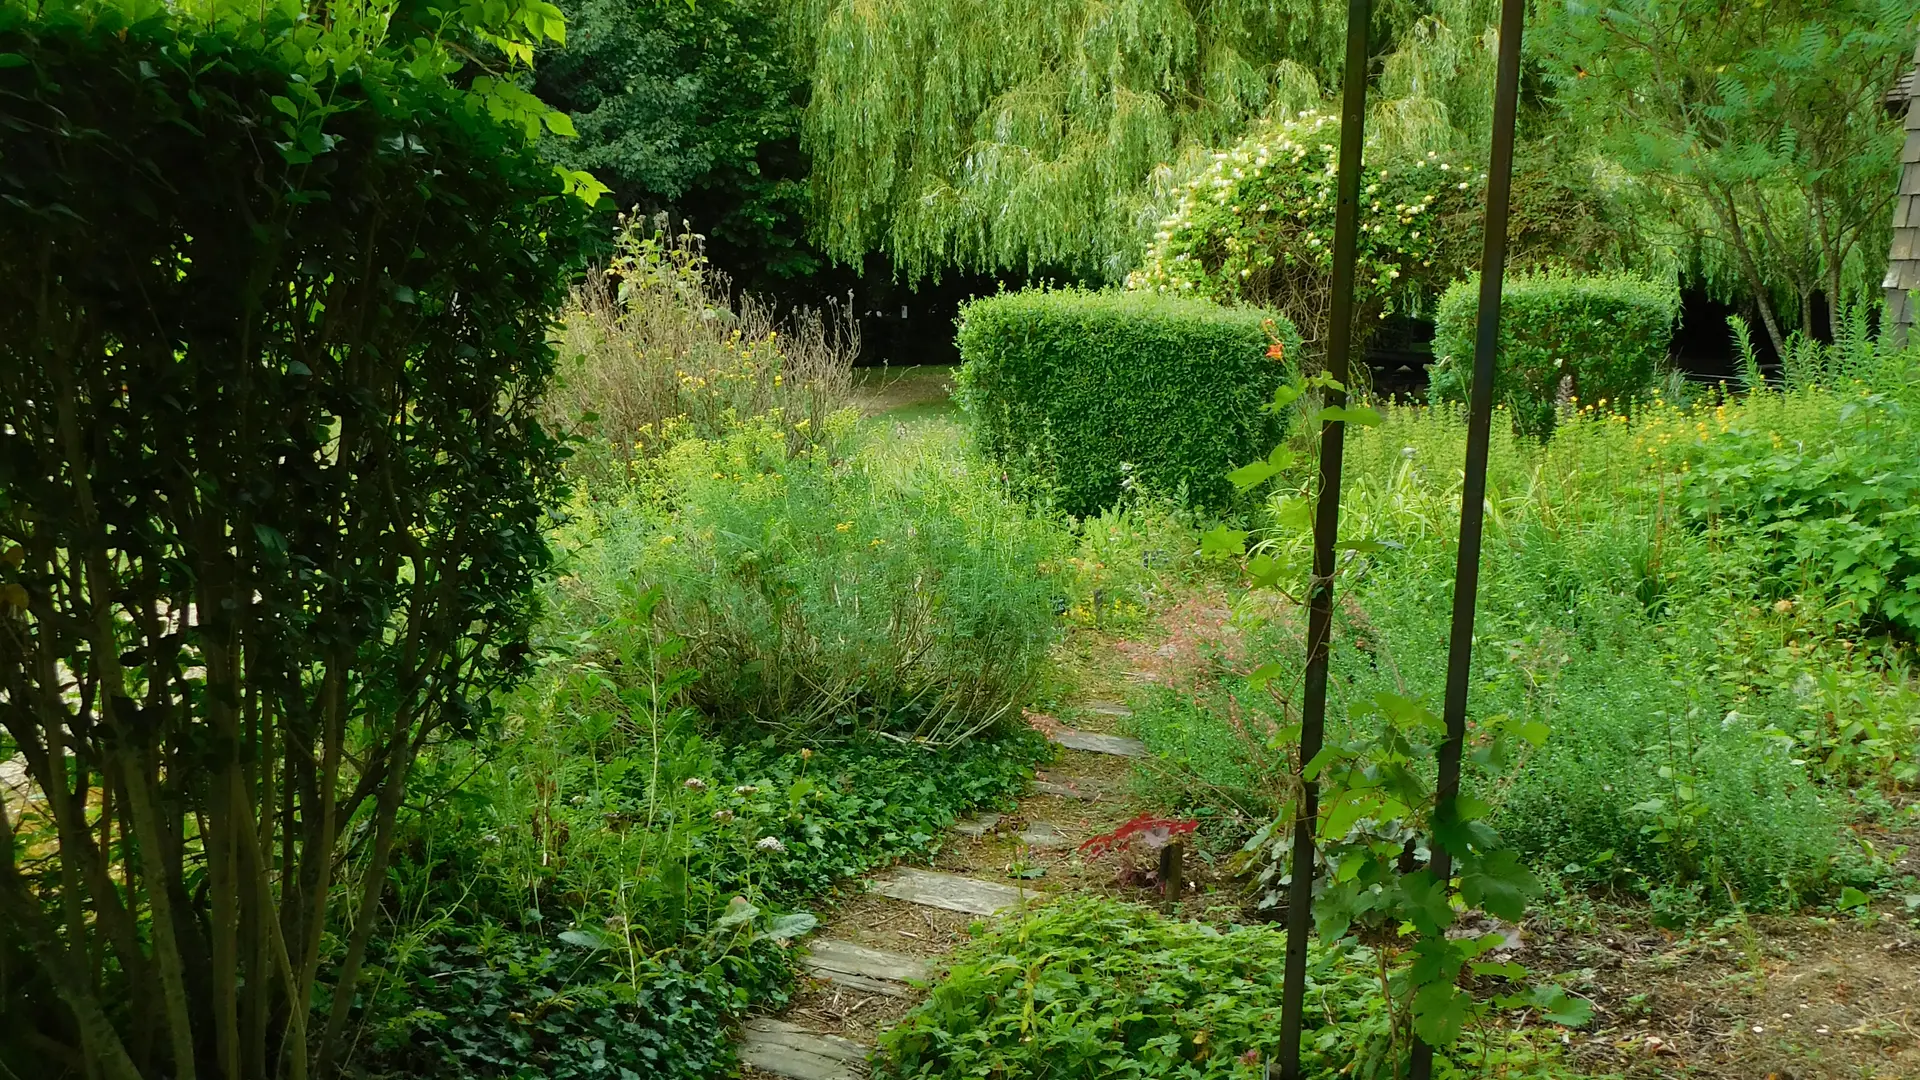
(1473, 496)
(1326, 529)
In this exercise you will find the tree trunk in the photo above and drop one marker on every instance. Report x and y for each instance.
(386, 810)
(99, 1042)
(1729, 215)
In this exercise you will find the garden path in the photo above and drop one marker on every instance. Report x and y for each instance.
(867, 964)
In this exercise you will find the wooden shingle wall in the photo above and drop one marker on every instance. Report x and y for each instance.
(1903, 261)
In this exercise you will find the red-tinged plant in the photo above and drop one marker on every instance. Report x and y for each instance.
(1144, 830)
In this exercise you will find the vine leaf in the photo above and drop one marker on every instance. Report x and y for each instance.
(1559, 1007)
(1439, 1012)
(1221, 540)
(1499, 885)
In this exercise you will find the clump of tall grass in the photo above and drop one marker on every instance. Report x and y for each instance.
(657, 344)
(873, 582)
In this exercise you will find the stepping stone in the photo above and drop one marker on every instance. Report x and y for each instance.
(950, 892)
(1109, 708)
(1041, 836)
(978, 825)
(786, 1050)
(872, 970)
(1063, 791)
(1117, 745)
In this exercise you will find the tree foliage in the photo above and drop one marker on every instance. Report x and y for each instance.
(1256, 226)
(693, 109)
(275, 319)
(1758, 129)
(1025, 134)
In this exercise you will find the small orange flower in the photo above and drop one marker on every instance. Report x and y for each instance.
(1276, 351)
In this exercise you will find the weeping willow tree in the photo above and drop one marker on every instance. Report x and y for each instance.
(1034, 134)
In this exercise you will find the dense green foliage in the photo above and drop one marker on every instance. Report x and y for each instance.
(1688, 702)
(277, 298)
(661, 346)
(605, 874)
(630, 926)
(1594, 339)
(692, 109)
(1775, 176)
(1025, 134)
(1077, 395)
(840, 590)
(488, 1003)
(1817, 481)
(1256, 227)
(1097, 987)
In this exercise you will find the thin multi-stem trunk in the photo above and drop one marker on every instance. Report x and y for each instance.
(373, 883)
(1723, 207)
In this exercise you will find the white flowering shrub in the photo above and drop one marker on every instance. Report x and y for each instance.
(1255, 227)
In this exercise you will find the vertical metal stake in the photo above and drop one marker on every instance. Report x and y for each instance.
(1466, 574)
(1326, 529)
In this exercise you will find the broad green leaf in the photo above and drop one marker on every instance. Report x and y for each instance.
(1851, 898)
(790, 926)
(1252, 475)
(1507, 970)
(1559, 1007)
(1345, 808)
(1265, 570)
(1428, 905)
(1499, 885)
(1294, 513)
(1221, 540)
(560, 124)
(1440, 1010)
(589, 939)
(1471, 808)
(738, 912)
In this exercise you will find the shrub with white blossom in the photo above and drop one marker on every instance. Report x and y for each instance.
(1255, 227)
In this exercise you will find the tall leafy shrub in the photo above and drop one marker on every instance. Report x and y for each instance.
(1072, 392)
(274, 312)
(1255, 226)
(1600, 337)
(662, 346)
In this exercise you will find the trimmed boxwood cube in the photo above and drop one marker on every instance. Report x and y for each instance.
(1069, 391)
(1604, 336)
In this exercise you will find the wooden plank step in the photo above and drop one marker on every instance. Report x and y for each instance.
(875, 971)
(1117, 745)
(785, 1049)
(950, 892)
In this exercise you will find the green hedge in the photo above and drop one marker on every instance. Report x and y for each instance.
(1608, 334)
(1065, 387)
